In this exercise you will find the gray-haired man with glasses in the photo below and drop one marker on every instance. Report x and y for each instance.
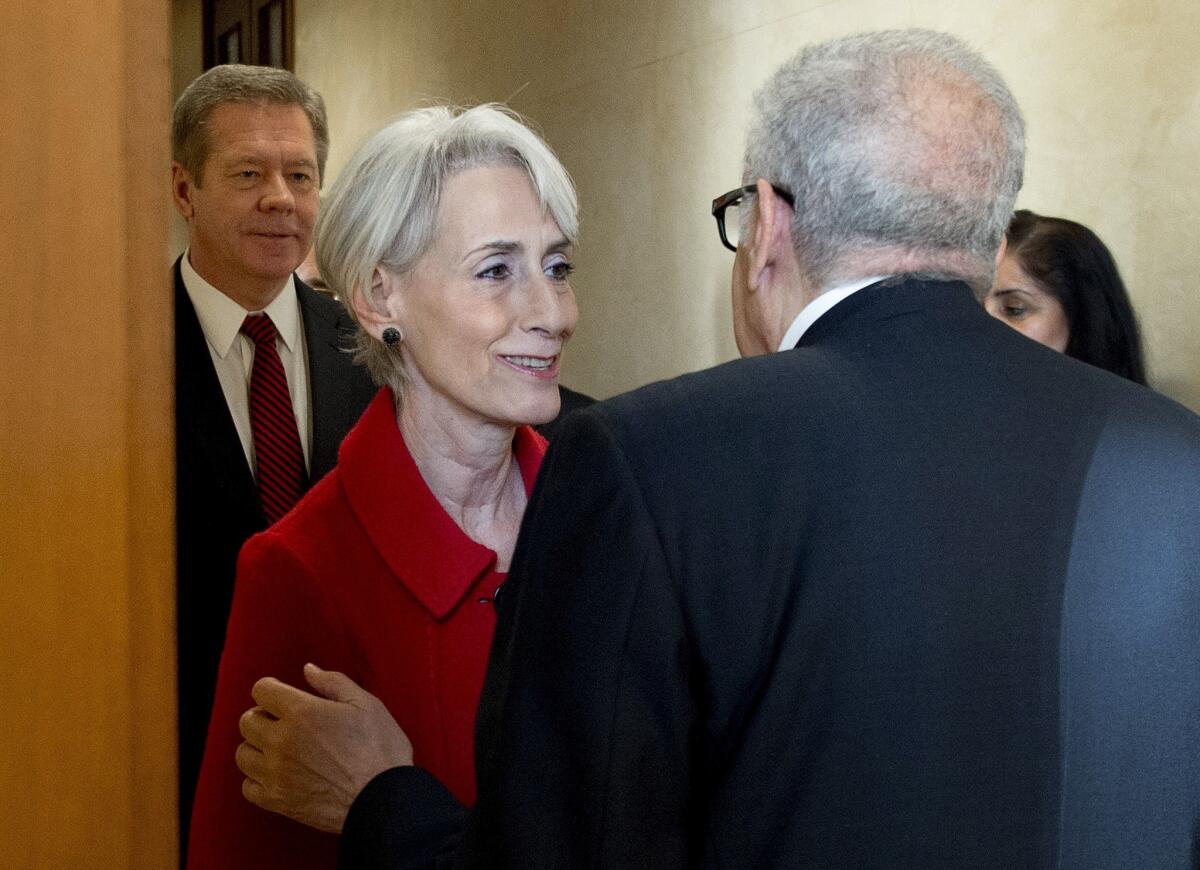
(901, 589)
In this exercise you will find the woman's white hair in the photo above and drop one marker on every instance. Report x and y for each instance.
(902, 139)
(382, 211)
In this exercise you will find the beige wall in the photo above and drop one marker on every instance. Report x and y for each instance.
(646, 103)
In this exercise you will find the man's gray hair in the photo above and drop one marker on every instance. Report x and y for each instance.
(383, 209)
(238, 83)
(903, 140)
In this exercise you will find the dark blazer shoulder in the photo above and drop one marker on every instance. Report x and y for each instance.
(318, 305)
(733, 397)
(569, 400)
(340, 389)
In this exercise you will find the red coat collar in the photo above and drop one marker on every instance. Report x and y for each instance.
(414, 535)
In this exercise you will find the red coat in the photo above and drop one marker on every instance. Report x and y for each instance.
(367, 575)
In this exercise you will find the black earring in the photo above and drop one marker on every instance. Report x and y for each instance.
(392, 336)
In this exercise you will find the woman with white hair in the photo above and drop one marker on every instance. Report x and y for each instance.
(449, 236)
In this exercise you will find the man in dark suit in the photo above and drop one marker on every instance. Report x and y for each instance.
(249, 147)
(911, 592)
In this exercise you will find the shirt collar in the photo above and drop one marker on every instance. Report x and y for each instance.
(221, 318)
(813, 311)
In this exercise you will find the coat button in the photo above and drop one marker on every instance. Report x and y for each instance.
(494, 599)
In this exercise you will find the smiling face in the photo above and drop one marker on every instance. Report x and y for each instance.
(250, 219)
(486, 311)
(1020, 302)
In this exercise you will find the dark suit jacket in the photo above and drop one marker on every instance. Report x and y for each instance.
(920, 593)
(569, 401)
(216, 500)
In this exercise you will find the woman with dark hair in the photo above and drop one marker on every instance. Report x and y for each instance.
(1058, 284)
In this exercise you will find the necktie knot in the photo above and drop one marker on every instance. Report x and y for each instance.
(259, 329)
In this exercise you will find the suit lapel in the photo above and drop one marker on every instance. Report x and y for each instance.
(330, 399)
(206, 435)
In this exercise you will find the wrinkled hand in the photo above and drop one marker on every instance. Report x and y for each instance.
(308, 757)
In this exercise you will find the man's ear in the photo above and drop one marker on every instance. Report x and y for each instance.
(182, 185)
(1003, 249)
(770, 234)
(381, 305)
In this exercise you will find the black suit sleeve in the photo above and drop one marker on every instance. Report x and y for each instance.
(585, 730)
(586, 734)
(403, 819)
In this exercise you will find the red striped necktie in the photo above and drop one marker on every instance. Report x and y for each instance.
(281, 474)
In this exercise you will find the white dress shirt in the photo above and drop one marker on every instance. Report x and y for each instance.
(813, 311)
(233, 353)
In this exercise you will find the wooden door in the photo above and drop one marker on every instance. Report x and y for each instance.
(87, 732)
(248, 31)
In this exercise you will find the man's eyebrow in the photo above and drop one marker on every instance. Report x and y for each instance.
(244, 158)
(255, 160)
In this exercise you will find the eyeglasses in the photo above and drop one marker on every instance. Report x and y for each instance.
(730, 228)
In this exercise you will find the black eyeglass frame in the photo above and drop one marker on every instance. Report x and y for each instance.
(735, 196)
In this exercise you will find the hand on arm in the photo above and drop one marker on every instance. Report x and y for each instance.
(307, 756)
